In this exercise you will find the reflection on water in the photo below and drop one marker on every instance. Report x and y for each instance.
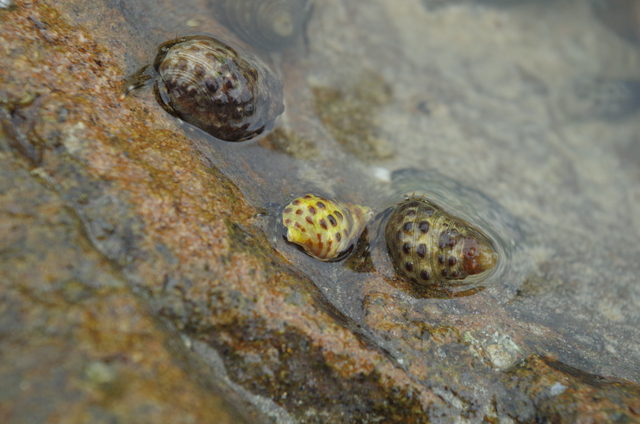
(545, 187)
(473, 99)
(497, 119)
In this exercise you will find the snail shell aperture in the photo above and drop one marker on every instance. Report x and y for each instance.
(432, 248)
(209, 85)
(324, 228)
(266, 24)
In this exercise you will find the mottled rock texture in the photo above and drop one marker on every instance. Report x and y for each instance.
(140, 280)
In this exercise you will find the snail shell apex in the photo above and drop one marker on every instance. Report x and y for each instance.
(324, 228)
(209, 85)
(432, 248)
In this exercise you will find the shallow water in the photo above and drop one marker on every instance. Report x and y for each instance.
(474, 106)
(478, 94)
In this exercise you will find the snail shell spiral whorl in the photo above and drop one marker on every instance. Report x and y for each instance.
(266, 24)
(209, 85)
(324, 228)
(432, 248)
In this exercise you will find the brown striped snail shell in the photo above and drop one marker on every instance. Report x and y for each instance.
(209, 85)
(265, 24)
(325, 229)
(430, 247)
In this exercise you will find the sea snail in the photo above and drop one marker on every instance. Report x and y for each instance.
(430, 247)
(209, 85)
(325, 229)
(266, 24)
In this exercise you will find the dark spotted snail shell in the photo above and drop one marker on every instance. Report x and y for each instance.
(266, 24)
(209, 85)
(324, 228)
(432, 248)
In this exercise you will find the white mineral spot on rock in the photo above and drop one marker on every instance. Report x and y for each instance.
(502, 351)
(382, 174)
(74, 141)
(99, 372)
(499, 356)
(557, 389)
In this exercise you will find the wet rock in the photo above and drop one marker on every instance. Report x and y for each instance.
(622, 17)
(140, 273)
(350, 115)
(76, 342)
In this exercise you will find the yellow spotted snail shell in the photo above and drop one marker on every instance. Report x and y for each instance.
(432, 248)
(266, 24)
(325, 229)
(209, 85)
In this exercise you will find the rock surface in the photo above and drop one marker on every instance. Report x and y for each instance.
(142, 280)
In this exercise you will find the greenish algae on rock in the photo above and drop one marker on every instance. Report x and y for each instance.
(349, 113)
